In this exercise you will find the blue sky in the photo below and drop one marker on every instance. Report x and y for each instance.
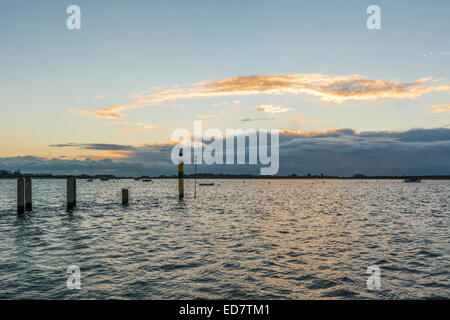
(50, 75)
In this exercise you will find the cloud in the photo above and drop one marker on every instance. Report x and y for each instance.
(140, 127)
(342, 151)
(129, 130)
(108, 113)
(99, 97)
(439, 108)
(94, 146)
(257, 119)
(329, 88)
(345, 151)
(163, 144)
(118, 167)
(271, 108)
(336, 89)
(328, 132)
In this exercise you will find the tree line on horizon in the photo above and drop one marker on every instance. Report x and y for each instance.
(4, 174)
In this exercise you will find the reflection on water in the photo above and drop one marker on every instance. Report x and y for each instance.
(287, 239)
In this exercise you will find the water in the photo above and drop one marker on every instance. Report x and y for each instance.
(253, 239)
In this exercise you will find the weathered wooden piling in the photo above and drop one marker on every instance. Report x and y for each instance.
(28, 195)
(181, 180)
(71, 193)
(20, 195)
(125, 197)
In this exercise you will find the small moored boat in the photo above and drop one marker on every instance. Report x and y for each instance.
(413, 180)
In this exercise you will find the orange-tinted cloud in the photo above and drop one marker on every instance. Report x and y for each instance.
(116, 154)
(271, 108)
(329, 88)
(108, 112)
(439, 108)
(335, 89)
(141, 125)
(310, 133)
(163, 144)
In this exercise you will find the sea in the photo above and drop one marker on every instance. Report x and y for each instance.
(237, 239)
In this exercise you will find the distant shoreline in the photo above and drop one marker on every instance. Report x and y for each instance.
(5, 176)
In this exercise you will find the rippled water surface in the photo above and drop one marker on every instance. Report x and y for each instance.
(278, 239)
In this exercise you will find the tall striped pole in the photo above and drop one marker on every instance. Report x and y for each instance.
(181, 180)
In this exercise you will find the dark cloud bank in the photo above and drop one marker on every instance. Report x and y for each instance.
(342, 152)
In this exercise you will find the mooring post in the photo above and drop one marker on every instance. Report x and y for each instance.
(124, 197)
(181, 180)
(28, 195)
(20, 195)
(71, 193)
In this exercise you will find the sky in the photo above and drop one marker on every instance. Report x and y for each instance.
(346, 99)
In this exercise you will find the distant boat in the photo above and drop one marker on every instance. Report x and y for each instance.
(136, 179)
(90, 180)
(206, 184)
(413, 180)
(104, 179)
(146, 180)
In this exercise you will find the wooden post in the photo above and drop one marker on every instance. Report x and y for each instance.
(71, 193)
(28, 195)
(124, 197)
(20, 195)
(181, 180)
